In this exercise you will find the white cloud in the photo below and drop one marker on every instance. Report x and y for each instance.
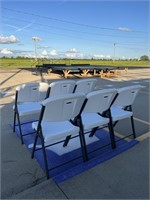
(108, 56)
(6, 52)
(124, 29)
(43, 47)
(29, 55)
(44, 53)
(53, 52)
(98, 56)
(70, 55)
(80, 56)
(8, 39)
(101, 56)
(73, 50)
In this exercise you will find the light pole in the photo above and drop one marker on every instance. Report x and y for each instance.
(35, 39)
(114, 50)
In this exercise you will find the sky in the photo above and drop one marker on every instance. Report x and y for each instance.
(75, 29)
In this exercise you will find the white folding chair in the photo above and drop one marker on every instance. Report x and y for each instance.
(85, 85)
(61, 87)
(96, 113)
(122, 106)
(55, 123)
(27, 101)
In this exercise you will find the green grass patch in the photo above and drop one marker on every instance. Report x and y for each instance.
(14, 63)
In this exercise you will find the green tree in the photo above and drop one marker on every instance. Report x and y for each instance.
(144, 58)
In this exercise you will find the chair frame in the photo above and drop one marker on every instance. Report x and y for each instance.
(39, 134)
(114, 123)
(16, 116)
(107, 114)
(128, 108)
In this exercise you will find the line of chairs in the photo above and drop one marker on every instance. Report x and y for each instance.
(29, 96)
(68, 109)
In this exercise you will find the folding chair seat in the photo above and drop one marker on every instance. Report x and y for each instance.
(55, 123)
(61, 87)
(95, 113)
(27, 101)
(85, 86)
(122, 106)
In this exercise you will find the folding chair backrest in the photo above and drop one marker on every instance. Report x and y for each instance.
(43, 87)
(99, 101)
(63, 107)
(28, 92)
(32, 92)
(127, 95)
(61, 87)
(85, 86)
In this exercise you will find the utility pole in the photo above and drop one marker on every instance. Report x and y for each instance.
(114, 51)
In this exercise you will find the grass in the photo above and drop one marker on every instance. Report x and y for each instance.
(14, 63)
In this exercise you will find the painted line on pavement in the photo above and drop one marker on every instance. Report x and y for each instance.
(142, 121)
(143, 137)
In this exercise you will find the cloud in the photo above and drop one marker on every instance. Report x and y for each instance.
(72, 51)
(53, 53)
(8, 39)
(18, 51)
(101, 56)
(44, 54)
(6, 52)
(28, 55)
(75, 54)
(108, 56)
(98, 56)
(70, 55)
(43, 47)
(124, 29)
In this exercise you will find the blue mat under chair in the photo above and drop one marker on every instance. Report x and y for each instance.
(57, 154)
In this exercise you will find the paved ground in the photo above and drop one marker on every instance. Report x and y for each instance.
(123, 177)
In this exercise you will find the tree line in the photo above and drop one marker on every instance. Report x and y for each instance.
(142, 58)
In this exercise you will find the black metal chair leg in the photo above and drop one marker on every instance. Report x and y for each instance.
(111, 130)
(133, 127)
(20, 130)
(14, 127)
(33, 150)
(112, 136)
(66, 140)
(82, 140)
(45, 158)
(93, 132)
(83, 145)
(114, 124)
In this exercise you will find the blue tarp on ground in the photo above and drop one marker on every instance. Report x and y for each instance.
(58, 154)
